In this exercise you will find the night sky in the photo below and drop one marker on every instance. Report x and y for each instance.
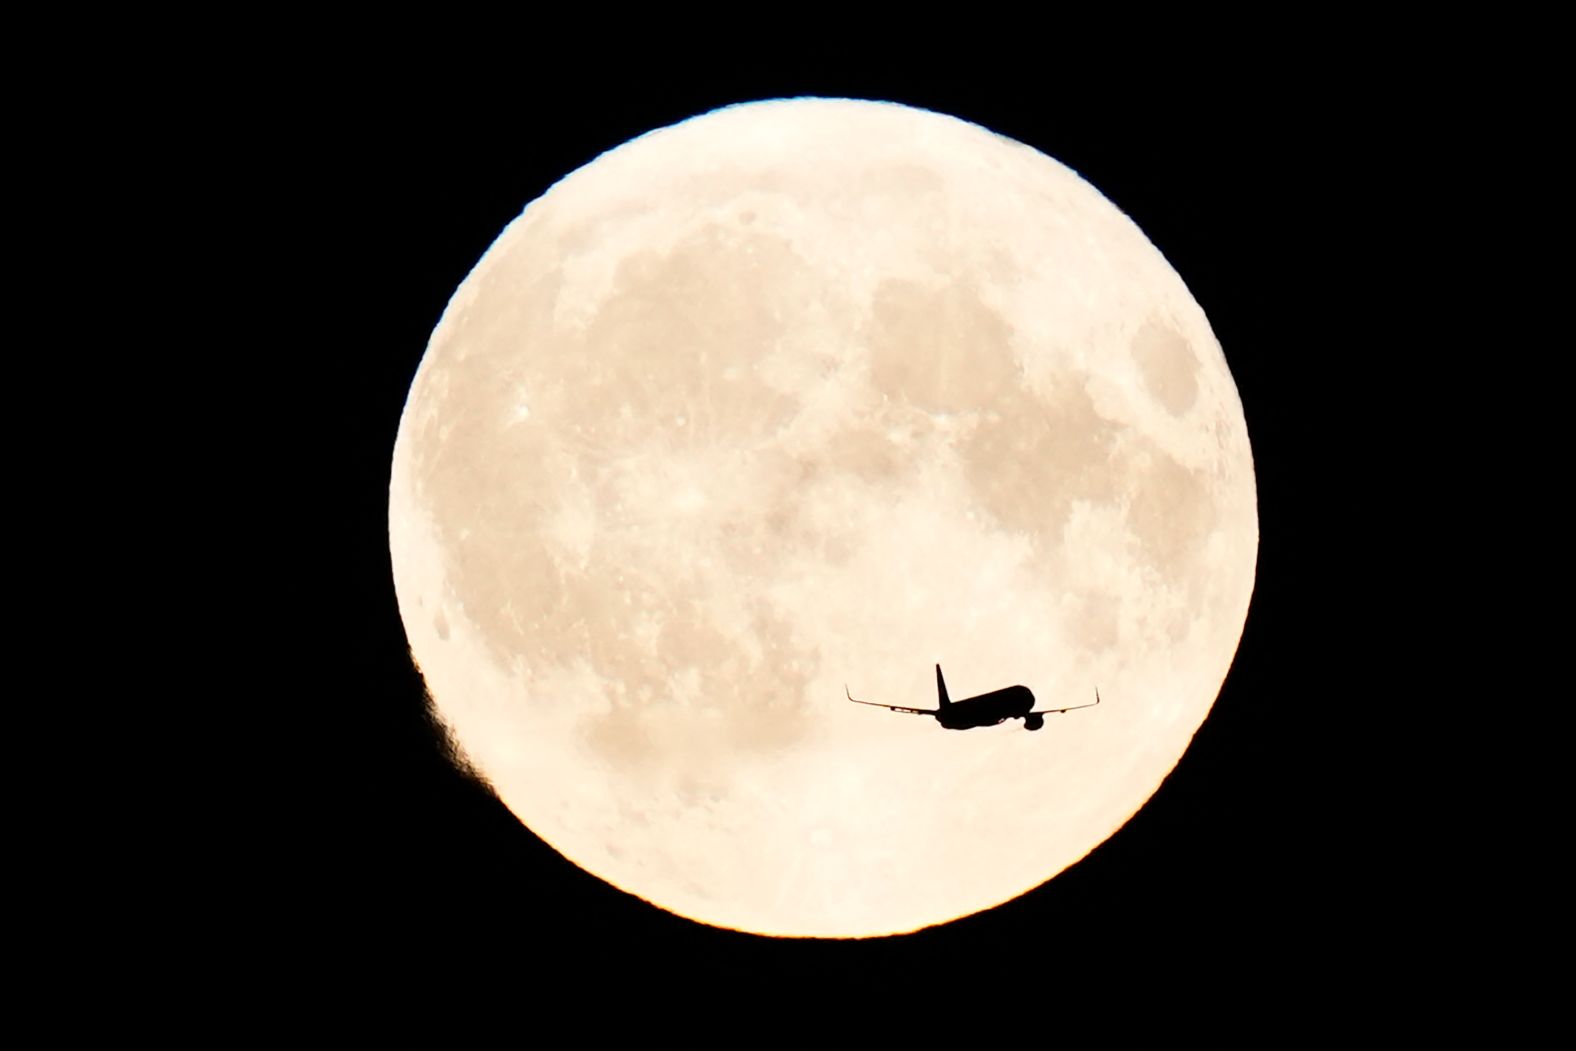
(1241, 855)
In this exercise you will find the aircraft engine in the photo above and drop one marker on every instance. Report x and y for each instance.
(1033, 721)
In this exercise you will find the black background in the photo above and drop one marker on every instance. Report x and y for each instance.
(1249, 858)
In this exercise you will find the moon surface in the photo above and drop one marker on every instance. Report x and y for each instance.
(803, 393)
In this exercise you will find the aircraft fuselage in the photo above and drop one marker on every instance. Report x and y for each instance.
(988, 709)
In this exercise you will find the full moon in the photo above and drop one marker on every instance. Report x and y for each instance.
(803, 394)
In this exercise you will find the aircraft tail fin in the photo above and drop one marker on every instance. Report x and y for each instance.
(941, 689)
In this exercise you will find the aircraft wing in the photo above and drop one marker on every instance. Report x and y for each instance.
(1074, 708)
(889, 707)
(895, 708)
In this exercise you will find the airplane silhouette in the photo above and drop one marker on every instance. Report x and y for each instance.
(987, 709)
